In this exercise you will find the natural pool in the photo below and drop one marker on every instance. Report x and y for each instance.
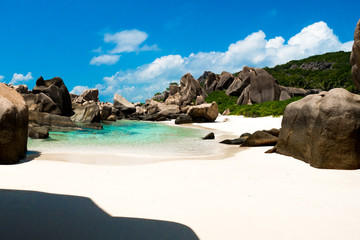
(129, 137)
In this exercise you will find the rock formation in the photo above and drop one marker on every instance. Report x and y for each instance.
(123, 105)
(190, 89)
(86, 113)
(211, 82)
(206, 112)
(57, 91)
(88, 95)
(225, 81)
(13, 125)
(323, 130)
(202, 79)
(52, 121)
(355, 57)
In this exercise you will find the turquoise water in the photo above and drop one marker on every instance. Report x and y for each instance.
(128, 137)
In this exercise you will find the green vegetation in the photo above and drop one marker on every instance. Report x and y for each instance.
(338, 76)
(158, 93)
(275, 108)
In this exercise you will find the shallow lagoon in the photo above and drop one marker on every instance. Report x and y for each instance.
(129, 137)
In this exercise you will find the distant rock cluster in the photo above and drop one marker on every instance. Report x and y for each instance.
(313, 66)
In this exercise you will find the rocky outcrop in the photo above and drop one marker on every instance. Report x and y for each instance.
(190, 89)
(123, 105)
(13, 125)
(211, 82)
(52, 121)
(46, 104)
(225, 81)
(238, 86)
(263, 87)
(323, 130)
(206, 112)
(174, 99)
(38, 132)
(313, 66)
(105, 110)
(355, 57)
(183, 118)
(173, 89)
(199, 100)
(57, 91)
(88, 95)
(202, 79)
(260, 138)
(86, 113)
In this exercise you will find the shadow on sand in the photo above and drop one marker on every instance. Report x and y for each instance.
(36, 215)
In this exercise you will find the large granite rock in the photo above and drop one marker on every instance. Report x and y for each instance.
(52, 121)
(323, 130)
(46, 104)
(105, 111)
(225, 81)
(355, 57)
(257, 86)
(238, 86)
(86, 113)
(206, 112)
(38, 132)
(260, 138)
(174, 99)
(13, 125)
(123, 105)
(263, 87)
(202, 79)
(57, 91)
(190, 89)
(173, 89)
(211, 82)
(88, 95)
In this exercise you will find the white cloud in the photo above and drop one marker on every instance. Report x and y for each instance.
(18, 77)
(79, 90)
(126, 41)
(105, 59)
(255, 51)
(2, 77)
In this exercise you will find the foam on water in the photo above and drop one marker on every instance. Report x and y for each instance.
(129, 137)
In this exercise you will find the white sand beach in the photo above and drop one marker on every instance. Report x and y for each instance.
(246, 195)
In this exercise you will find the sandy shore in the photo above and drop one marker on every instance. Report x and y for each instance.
(247, 195)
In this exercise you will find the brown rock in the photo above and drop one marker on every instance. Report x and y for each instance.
(199, 100)
(111, 118)
(226, 79)
(206, 112)
(86, 113)
(123, 105)
(13, 125)
(190, 89)
(39, 132)
(57, 91)
(263, 87)
(211, 82)
(260, 138)
(52, 120)
(323, 130)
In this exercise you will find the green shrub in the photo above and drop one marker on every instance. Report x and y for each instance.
(274, 108)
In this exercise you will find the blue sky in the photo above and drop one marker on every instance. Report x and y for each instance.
(135, 48)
